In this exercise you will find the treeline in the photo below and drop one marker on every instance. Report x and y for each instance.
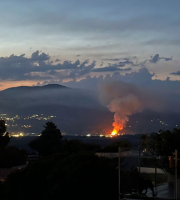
(69, 169)
(65, 169)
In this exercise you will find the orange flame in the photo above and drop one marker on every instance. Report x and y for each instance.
(116, 129)
(114, 132)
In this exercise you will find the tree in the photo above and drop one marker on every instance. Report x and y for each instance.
(4, 136)
(163, 144)
(114, 147)
(51, 132)
(12, 156)
(74, 146)
(49, 142)
(143, 141)
(75, 176)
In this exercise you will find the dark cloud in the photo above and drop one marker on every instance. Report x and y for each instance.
(82, 69)
(38, 56)
(127, 61)
(117, 66)
(110, 69)
(166, 59)
(142, 77)
(167, 89)
(176, 73)
(110, 59)
(174, 42)
(156, 58)
(56, 22)
(39, 66)
(102, 63)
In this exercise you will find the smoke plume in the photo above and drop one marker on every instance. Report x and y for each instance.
(125, 99)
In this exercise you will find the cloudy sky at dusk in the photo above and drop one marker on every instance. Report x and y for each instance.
(65, 40)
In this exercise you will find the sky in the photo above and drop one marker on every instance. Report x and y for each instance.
(65, 41)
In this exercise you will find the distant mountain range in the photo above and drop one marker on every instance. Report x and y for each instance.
(33, 88)
(25, 96)
(77, 111)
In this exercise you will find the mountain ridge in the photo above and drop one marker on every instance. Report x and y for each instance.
(48, 86)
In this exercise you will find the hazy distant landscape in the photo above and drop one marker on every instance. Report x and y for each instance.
(75, 111)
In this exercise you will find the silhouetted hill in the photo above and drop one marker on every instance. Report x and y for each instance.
(32, 88)
(51, 94)
(77, 111)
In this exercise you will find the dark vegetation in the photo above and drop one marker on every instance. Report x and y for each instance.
(162, 146)
(66, 169)
(114, 147)
(9, 156)
(69, 169)
(66, 176)
(4, 136)
(12, 156)
(160, 178)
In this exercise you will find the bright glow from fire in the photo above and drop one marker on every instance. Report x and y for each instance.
(118, 126)
(114, 132)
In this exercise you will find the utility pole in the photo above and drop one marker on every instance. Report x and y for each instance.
(119, 168)
(155, 172)
(139, 159)
(176, 161)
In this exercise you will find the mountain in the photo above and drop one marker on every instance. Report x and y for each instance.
(27, 89)
(52, 94)
(76, 110)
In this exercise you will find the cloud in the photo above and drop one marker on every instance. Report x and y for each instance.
(111, 59)
(174, 42)
(117, 66)
(40, 66)
(102, 63)
(126, 61)
(156, 58)
(58, 21)
(141, 77)
(37, 56)
(176, 73)
(110, 69)
(167, 90)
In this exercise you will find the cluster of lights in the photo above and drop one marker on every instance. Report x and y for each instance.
(161, 122)
(26, 126)
(17, 135)
(17, 117)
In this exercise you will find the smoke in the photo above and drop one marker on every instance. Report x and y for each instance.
(125, 99)
(123, 107)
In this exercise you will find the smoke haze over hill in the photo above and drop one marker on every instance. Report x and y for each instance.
(80, 111)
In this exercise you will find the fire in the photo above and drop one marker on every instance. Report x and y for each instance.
(114, 132)
(117, 128)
